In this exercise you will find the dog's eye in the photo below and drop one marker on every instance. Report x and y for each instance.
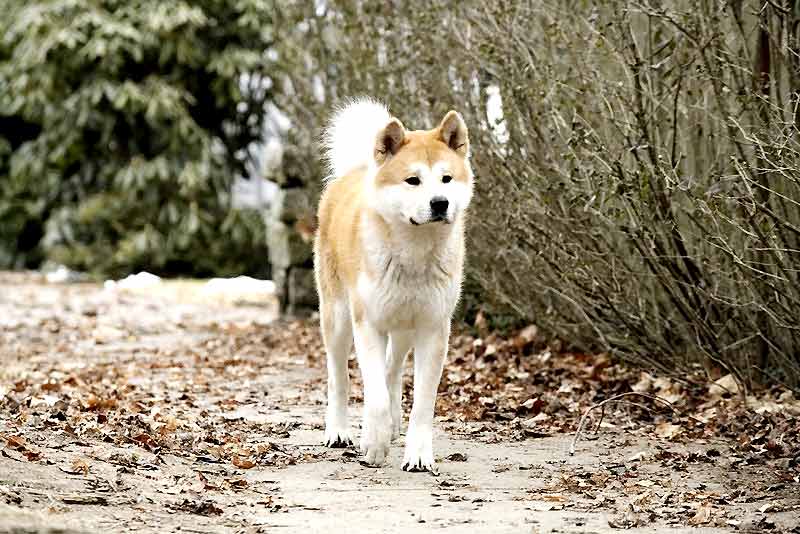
(446, 178)
(412, 180)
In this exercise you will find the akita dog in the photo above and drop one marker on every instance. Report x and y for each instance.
(389, 256)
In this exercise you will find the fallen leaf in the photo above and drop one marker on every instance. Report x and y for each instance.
(243, 463)
(85, 499)
(602, 362)
(702, 516)
(534, 404)
(77, 467)
(526, 337)
(645, 383)
(147, 441)
(668, 430)
(481, 324)
(32, 456)
(624, 521)
(19, 444)
(206, 508)
(726, 385)
(9, 496)
(236, 483)
(16, 442)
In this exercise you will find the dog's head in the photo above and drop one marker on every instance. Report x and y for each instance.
(422, 177)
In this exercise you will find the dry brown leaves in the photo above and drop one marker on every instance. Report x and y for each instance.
(176, 400)
(187, 398)
(516, 384)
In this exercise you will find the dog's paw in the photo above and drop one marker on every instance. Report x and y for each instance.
(376, 434)
(337, 438)
(419, 452)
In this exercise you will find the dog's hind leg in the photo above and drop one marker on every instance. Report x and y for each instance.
(337, 334)
(399, 344)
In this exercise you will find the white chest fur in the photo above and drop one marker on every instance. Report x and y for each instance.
(413, 278)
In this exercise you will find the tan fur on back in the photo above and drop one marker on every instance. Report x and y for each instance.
(337, 247)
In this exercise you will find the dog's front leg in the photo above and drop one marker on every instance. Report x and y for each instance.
(429, 354)
(376, 427)
(399, 344)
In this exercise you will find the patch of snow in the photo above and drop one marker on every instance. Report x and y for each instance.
(238, 288)
(494, 114)
(272, 157)
(277, 120)
(255, 193)
(142, 280)
(64, 275)
(318, 88)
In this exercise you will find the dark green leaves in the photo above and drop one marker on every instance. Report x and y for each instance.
(119, 131)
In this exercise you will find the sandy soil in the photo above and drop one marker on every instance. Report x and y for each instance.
(131, 412)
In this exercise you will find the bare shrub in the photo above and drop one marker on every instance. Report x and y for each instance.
(640, 193)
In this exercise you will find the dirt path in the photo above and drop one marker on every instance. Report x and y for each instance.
(164, 413)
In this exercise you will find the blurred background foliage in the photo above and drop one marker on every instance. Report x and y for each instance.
(121, 129)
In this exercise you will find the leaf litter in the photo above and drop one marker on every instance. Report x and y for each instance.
(137, 386)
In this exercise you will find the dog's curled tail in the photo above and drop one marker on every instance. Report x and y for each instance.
(349, 138)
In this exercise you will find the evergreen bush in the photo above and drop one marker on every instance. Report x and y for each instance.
(122, 126)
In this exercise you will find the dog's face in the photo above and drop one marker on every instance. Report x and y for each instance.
(423, 177)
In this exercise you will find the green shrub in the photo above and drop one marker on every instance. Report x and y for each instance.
(121, 129)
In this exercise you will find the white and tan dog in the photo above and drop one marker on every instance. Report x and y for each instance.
(389, 257)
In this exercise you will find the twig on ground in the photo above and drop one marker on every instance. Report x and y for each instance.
(621, 398)
(603, 413)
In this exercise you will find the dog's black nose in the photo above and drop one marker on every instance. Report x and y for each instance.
(439, 206)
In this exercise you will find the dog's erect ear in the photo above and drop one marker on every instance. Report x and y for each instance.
(453, 131)
(389, 140)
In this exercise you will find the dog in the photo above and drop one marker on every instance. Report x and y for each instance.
(389, 258)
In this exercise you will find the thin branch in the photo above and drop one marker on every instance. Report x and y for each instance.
(622, 398)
